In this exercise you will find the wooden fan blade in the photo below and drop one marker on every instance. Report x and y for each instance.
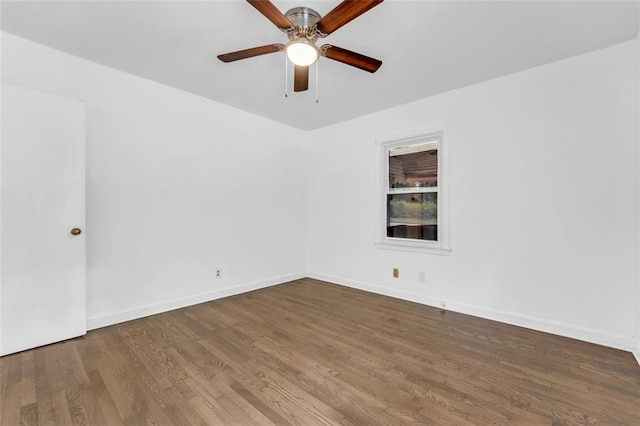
(272, 13)
(300, 78)
(351, 58)
(343, 13)
(250, 53)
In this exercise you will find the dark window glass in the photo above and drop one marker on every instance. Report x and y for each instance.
(413, 167)
(413, 216)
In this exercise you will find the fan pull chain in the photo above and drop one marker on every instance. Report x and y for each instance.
(317, 81)
(286, 76)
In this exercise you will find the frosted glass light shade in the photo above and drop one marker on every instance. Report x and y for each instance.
(302, 52)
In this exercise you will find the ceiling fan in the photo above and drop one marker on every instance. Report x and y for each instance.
(303, 27)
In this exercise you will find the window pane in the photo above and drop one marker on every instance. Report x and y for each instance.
(413, 216)
(413, 166)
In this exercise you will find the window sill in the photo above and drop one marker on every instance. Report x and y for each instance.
(416, 247)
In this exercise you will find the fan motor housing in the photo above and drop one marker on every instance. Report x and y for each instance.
(303, 18)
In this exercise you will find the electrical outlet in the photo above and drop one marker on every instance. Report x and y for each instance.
(443, 304)
(421, 277)
(396, 273)
(218, 273)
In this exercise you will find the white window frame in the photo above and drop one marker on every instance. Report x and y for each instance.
(383, 145)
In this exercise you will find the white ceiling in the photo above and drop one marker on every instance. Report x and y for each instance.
(427, 47)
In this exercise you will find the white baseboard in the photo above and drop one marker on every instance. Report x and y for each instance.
(549, 326)
(636, 349)
(169, 305)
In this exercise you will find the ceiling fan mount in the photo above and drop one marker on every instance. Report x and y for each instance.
(303, 27)
(303, 20)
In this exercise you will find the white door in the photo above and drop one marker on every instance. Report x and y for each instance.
(42, 177)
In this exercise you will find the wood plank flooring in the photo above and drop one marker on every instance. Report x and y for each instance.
(312, 353)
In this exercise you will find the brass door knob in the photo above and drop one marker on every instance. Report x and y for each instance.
(76, 231)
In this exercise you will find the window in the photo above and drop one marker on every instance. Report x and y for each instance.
(413, 202)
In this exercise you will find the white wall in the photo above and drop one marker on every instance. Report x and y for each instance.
(542, 211)
(1, 235)
(177, 186)
(637, 339)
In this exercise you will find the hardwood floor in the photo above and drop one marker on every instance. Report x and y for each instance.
(312, 353)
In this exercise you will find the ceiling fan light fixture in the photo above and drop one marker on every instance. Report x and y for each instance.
(303, 27)
(302, 52)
